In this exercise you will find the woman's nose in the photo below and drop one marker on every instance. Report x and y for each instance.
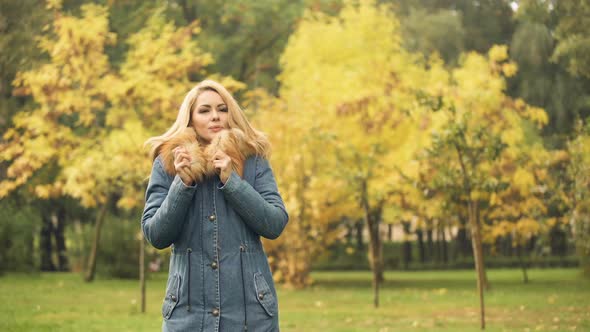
(215, 115)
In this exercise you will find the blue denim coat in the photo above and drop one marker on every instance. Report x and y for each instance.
(219, 277)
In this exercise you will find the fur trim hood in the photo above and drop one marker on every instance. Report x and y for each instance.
(232, 142)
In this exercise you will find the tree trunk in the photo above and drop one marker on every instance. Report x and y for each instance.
(525, 277)
(557, 241)
(142, 271)
(375, 259)
(390, 232)
(91, 269)
(372, 218)
(46, 247)
(407, 245)
(438, 245)
(359, 235)
(463, 243)
(430, 243)
(60, 241)
(505, 244)
(349, 233)
(478, 256)
(420, 236)
(445, 253)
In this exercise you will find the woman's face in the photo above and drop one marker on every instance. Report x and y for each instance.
(209, 116)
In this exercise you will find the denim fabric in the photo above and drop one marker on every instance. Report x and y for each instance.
(219, 278)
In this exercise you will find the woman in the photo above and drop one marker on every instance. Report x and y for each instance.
(211, 195)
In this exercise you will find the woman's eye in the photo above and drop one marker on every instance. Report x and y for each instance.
(223, 109)
(203, 110)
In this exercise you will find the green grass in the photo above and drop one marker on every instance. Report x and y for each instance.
(555, 300)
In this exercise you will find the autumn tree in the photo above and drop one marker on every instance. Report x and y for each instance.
(303, 164)
(90, 120)
(356, 92)
(41, 136)
(484, 128)
(579, 174)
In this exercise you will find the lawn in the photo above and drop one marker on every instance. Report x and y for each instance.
(554, 300)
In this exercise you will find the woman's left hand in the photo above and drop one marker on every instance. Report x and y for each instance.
(222, 163)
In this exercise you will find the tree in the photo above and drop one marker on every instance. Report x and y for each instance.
(540, 81)
(428, 32)
(483, 128)
(572, 32)
(579, 173)
(358, 91)
(21, 22)
(484, 22)
(519, 209)
(90, 121)
(303, 165)
(245, 37)
(42, 134)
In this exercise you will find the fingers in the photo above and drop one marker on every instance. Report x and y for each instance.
(221, 158)
(185, 176)
(184, 163)
(180, 154)
(222, 164)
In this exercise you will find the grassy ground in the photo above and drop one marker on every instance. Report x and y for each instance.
(555, 300)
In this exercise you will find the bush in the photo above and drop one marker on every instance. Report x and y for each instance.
(118, 251)
(347, 257)
(18, 226)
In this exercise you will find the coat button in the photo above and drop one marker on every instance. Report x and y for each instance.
(261, 296)
(212, 217)
(173, 298)
(215, 312)
(214, 265)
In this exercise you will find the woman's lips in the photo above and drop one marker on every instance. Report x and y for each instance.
(216, 129)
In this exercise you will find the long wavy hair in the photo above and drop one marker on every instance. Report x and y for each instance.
(236, 119)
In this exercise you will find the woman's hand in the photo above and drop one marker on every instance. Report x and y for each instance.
(182, 162)
(222, 164)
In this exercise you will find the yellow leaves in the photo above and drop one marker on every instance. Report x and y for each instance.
(537, 115)
(560, 156)
(498, 53)
(115, 162)
(47, 191)
(477, 89)
(551, 222)
(493, 199)
(523, 181)
(53, 4)
(527, 227)
(509, 69)
(477, 195)
(229, 83)
(521, 230)
(351, 66)
(512, 136)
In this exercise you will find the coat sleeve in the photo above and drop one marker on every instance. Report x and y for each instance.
(167, 201)
(261, 207)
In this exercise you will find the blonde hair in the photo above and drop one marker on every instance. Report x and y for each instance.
(236, 119)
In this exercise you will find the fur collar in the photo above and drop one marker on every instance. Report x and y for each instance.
(232, 142)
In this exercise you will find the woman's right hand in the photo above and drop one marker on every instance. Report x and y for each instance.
(182, 163)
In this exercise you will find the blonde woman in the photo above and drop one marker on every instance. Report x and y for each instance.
(211, 196)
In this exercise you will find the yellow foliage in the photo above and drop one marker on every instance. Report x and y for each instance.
(527, 227)
(498, 53)
(537, 115)
(509, 69)
(77, 86)
(523, 181)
